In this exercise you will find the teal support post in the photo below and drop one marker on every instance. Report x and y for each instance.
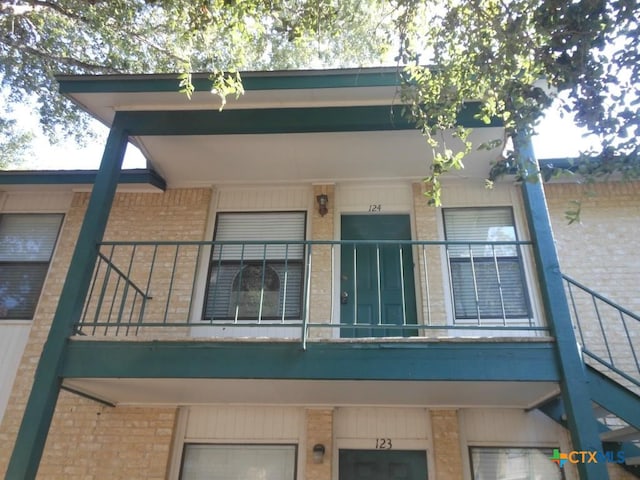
(36, 421)
(573, 384)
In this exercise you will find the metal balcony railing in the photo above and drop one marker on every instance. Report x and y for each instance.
(310, 289)
(608, 333)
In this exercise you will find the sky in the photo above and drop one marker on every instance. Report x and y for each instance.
(557, 138)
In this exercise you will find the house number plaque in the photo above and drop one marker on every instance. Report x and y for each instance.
(375, 207)
(383, 444)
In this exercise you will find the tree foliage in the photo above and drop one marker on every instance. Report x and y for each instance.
(516, 57)
(41, 38)
(15, 143)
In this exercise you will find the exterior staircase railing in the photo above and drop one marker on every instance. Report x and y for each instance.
(609, 334)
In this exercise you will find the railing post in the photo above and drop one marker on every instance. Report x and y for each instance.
(36, 421)
(574, 384)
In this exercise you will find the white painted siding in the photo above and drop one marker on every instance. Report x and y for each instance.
(510, 427)
(265, 424)
(371, 423)
(241, 199)
(13, 339)
(36, 202)
(472, 193)
(357, 198)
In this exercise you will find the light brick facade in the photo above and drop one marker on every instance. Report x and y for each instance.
(127, 441)
(446, 444)
(91, 441)
(319, 428)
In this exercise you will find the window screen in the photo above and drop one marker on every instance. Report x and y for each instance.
(26, 245)
(256, 272)
(233, 462)
(489, 463)
(487, 279)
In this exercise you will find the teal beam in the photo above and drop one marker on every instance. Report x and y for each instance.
(574, 386)
(464, 361)
(280, 120)
(614, 397)
(36, 421)
(78, 177)
(251, 81)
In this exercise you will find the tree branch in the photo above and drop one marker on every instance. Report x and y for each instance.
(70, 61)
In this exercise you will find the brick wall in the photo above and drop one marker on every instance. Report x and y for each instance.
(432, 291)
(133, 442)
(446, 444)
(321, 229)
(319, 428)
(601, 252)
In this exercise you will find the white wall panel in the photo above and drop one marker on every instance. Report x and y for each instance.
(472, 193)
(244, 423)
(359, 198)
(265, 198)
(516, 427)
(37, 202)
(13, 338)
(366, 423)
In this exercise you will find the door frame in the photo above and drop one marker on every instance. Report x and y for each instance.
(417, 287)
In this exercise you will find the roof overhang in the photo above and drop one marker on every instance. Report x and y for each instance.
(295, 126)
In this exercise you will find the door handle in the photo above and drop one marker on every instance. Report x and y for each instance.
(344, 298)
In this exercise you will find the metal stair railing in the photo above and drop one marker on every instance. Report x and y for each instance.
(609, 334)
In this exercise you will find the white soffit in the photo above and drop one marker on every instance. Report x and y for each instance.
(304, 157)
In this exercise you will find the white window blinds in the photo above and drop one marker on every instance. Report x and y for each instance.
(513, 464)
(256, 267)
(239, 462)
(26, 245)
(487, 277)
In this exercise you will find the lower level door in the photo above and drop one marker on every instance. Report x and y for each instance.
(382, 465)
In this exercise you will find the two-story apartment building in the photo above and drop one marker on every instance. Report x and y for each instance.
(273, 298)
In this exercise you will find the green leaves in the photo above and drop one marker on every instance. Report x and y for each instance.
(515, 57)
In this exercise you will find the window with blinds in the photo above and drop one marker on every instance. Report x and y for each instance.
(26, 245)
(488, 463)
(487, 279)
(231, 462)
(256, 267)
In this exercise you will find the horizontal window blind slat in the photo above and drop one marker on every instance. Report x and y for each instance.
(28, 237)
(268, 227)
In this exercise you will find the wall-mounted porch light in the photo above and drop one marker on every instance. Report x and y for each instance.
(322, 200)
(318, 452)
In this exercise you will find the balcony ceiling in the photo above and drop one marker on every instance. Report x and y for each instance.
(326, 155)
(301, 157)
(184, 391)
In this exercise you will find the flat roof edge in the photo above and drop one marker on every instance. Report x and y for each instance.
(79, 177)
(252, 80)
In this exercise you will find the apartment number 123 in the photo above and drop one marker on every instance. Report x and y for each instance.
(383, 444)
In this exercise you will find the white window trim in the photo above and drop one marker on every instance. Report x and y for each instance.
(200, 284)
(528, 263)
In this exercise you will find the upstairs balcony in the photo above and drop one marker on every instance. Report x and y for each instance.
(310, 291)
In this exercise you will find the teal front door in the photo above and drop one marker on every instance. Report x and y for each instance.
(376, 279)
(382, 465)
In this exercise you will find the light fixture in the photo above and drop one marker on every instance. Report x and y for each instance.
(318, 450)
(322, 200)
